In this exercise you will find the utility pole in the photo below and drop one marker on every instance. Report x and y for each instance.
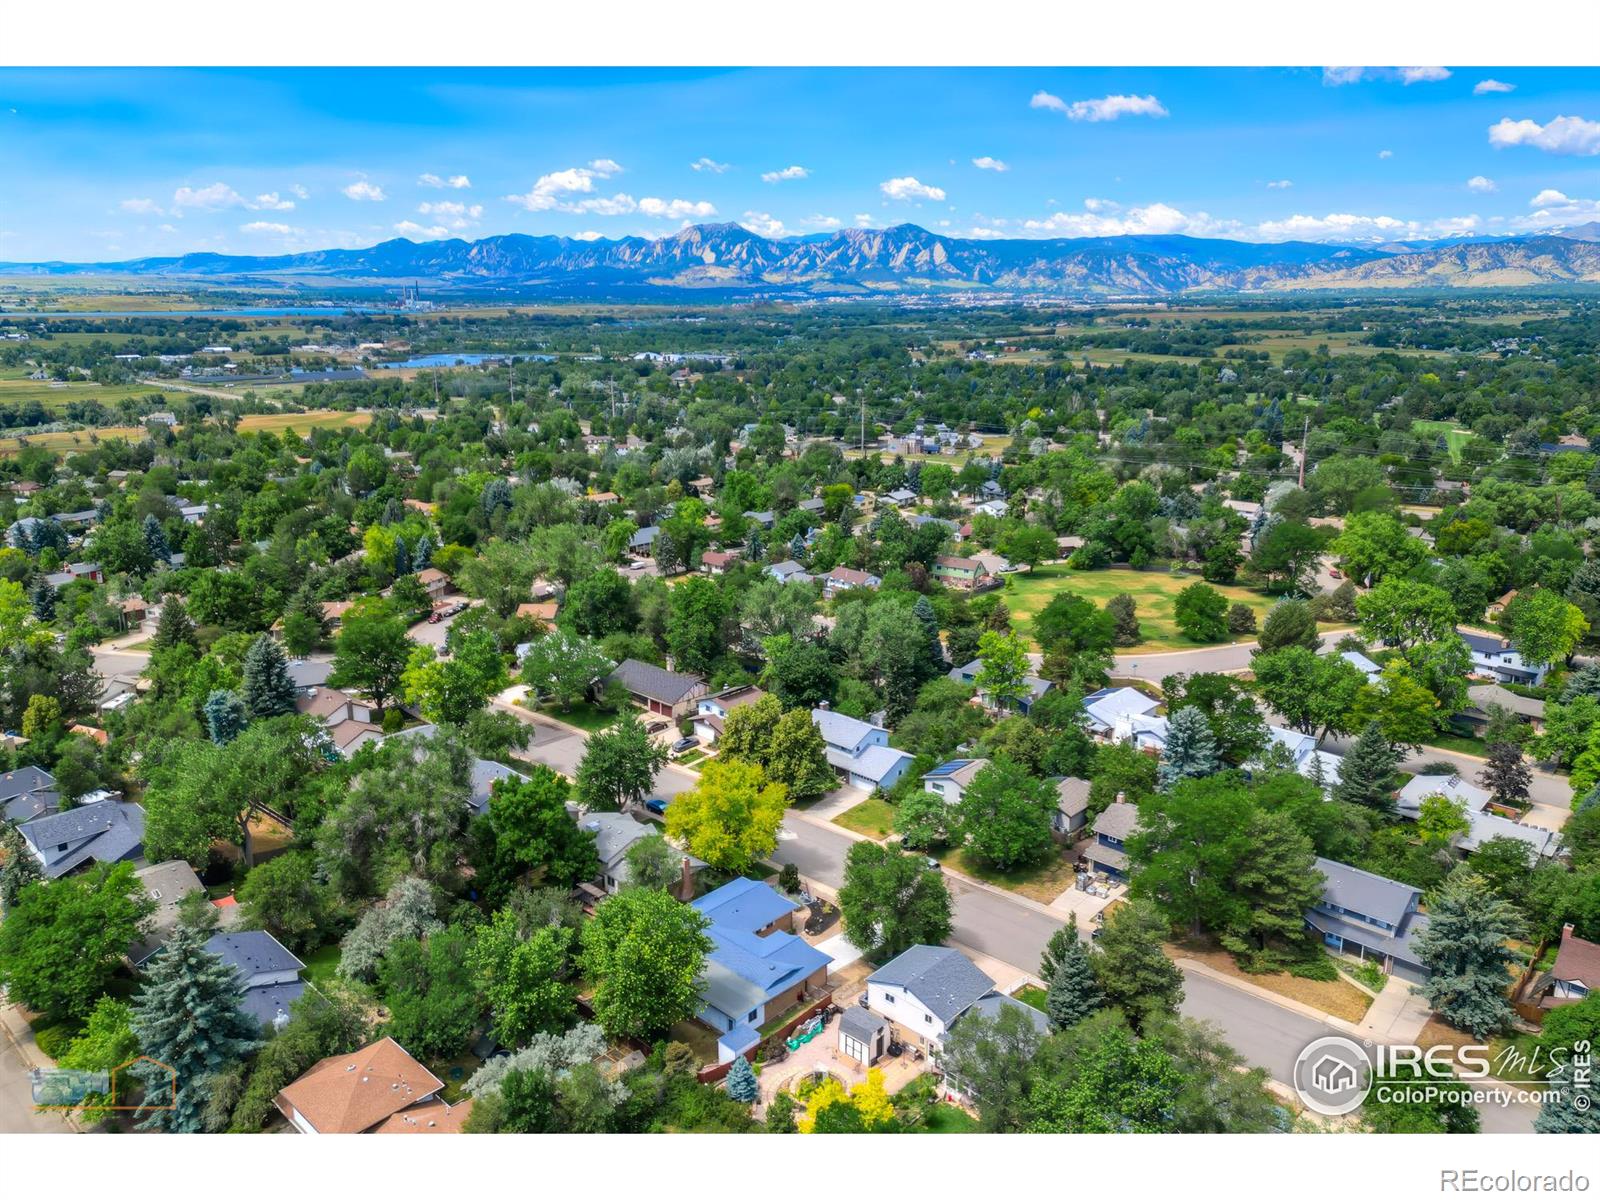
(863, 423)
(1304, 434)
(436, 387)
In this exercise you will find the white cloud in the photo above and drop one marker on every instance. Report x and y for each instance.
(1280, 183)
(908, 187)
(274, 227)
(273, 201)
(1557, 209)
(1106, 108)
(1480, 183)
(362, 189)
(1097, 205)
(1150, 218)
(588, 235)
(989, 164)
(301, 191)
(862, 220)
(1410, 75)
(1564, 135)
(765, 224)
(453, 213)
(1360, 227)
(1485, 86)
(980, 231)
(1339, 76)
(206, 199)
(708, 164)
(1385, 153)
(553, 191)
(818, 221)
(437, 181)
(785, 173)
(675, 210)
(411, 229)
(142, 205)
(167, 228)
(1549, 197)
(605, 168)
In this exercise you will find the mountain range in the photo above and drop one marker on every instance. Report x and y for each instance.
(728, 258)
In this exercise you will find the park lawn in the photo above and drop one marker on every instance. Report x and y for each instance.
(1041, 884)
(1460, 743)
(78, 439)
(1154, 593)
(1454, 438)
(873, 817)
(302, 422)
(582, 715)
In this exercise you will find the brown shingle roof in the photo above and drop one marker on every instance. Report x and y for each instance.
(349, 1093)
(433, 1117)
(1577, 959)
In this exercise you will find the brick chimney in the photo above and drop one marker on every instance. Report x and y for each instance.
(1566, 932)
(686, 883)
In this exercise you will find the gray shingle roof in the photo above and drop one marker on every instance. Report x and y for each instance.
(25, 779)
(860, 1023)
(992, 1005)
(1363, 892)
(653, 682)
(1072, 795)
(109, 831)
(252, 952)
(944, 981)
(1120, 820)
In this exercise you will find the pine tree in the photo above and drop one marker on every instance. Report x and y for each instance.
(402, 558)
(155, 539)
(422, 556)
(43, 598)
(225, 716)
(1056, 949)
(187, 1018)
(1074, 992)
(1559, 1113)
(923, 611)
(1191, 751)
(797, 547)
(1506, 775)
(393, 512)
(742, 1084)
(753, 549)
(1366, 774)
(175, 627)
(268, 690)
(1464, 949)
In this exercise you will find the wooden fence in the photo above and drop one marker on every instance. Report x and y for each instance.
(716, 1072)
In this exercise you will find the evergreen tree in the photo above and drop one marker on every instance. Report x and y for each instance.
(1366, 775)
(1464, 948)
(1131, 968)
(797, 548)
(742, 1084)
(1275, 883)
(1191, 751)
(923, 611)
(18, 869)
(402, 558)
(1074, 992)
(187, 1018)
(175, 628)
(1056, 949)
(422, 556)
(268, 690)
(393, 511)
(1506, 775)
(753, 549)
(1125, 617)
(1560, 1113)
(225, 716)
(155, 539)
(43, 598)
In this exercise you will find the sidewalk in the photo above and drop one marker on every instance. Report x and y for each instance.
(17, 1114)
(1397, 1015)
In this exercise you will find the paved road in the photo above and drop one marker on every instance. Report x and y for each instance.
(1545, 788)
(1218, 659)
(17, 1114)
(561, 748)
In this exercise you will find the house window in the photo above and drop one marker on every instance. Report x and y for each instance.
(754, 1013)
(888, 999)
(927, 1018)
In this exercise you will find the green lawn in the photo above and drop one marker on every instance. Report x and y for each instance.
(1454, 438)
(1458, 742)
(1031, 996)
(947, 1118)
(322, 964)
(583, 715)
(1153, 592)
(1042, 883)
(873, 817)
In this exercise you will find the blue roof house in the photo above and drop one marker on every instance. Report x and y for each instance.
(268, 973)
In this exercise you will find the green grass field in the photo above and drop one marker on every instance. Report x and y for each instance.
(56, 395)
(872, 816)
(1454, 438)
(1153, 592)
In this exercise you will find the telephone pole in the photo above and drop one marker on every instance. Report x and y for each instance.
(1304, 434)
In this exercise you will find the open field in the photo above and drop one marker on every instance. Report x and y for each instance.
(1454, 438)
(302, 422)
(1153, 591)
(993, 444)
(56, 395)
(78, 439)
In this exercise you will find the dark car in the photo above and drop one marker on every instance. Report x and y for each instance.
(683, 745)
(657, 805)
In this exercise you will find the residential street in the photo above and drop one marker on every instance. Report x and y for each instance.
(17, 1114)
(1218, 659)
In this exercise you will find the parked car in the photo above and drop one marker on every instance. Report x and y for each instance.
(656, 726)
(657, 805)
(684, 745)
(435, 617)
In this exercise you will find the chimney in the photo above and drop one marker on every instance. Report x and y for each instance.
(686, 884)
(1566, 932)
(824, 705)
(1121, 797)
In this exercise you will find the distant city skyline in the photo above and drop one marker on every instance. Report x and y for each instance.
(123, 163)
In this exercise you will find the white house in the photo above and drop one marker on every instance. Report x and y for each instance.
(950, 780)
(1102, 708)
(858, 751)
(927, 989)
(1492, 655)
(711, 713)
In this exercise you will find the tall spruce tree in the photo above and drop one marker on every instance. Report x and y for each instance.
(175, 628)
(43, 599)
(1562, 1112)
(268, 691)
(422, 555)
(225, 715)
(1074, 992)
(1191, 751)
(1366, 775)
(1464, 948)
(402, 558)
(155, 539)
(742, 1084)
(187, 1018)
(923, 611)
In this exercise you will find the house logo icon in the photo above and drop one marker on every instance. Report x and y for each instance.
(1332, 1075)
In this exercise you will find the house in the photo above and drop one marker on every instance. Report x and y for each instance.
(1485, 696)
(26, 793)
(1147, 734)
(1108, 853)
(715, 562)
(1021, 704)
(1363, 664)
(1499, 606)
(657, 690)
(858, 751)
(165, 883)
(1072, 806)
(950, 780)
(268, 974)
(1418, 787)
(1102, 708)
(542, 611)
(927, 989)
(1575, 975)
(614, 834)
(1369, 917)
(1492, 655)
(485, 774)
(1483, 824)
(762, 520)
(993, 564)
(350, 721)
(990, 490)
(434, 581)
(842, 579)
(133, 612)
(712, 711)
(955, 572)
(366, 1091)
(990, 508)
(110, 831)
(788, 571)
(813, 506)
(643, 542)
(757, 969)
(900, 497)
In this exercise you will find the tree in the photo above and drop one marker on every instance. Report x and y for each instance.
(18, 868)
(371, 652)
(644, 953)
(1074, 622)
(1375, 544)
(562, 667)
(1568, 1108)
(1005, 816)
(1274, 886)
(797, 757)
(619, 766)
(187, 1018)
(527, 979)
(1287, 554)
(1003, 673)
(106, 1043)
(730, 818)
(1241, 619)
(891, 901)
(1464, 948)
(226, 716)
(98, 914)
(533, 831)
(1200, 611)
(1315, 694)
(1418, 1099)
(695, 621)
(1402, 612)
(431, 992)
(1506, 775)
(409, 912)
(1222, 562)
(599, 604)
(1405, 709)
(742, 1084)
(924, 820)
(285, 897)
(1441, 820)
(1124, 619)
(1289, 623)
(1545, 626)
(1130, 967)
(268, 691)
(993, 1062)
(43, 598)
(1117, 1083)
(654, 862)
(155, 539)
(1074, 993)
(1367, 773)
(1191, 750)
(1056, 949)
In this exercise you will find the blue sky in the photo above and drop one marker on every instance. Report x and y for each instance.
(117, 163)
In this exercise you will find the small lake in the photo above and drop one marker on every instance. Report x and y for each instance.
(460, 360)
